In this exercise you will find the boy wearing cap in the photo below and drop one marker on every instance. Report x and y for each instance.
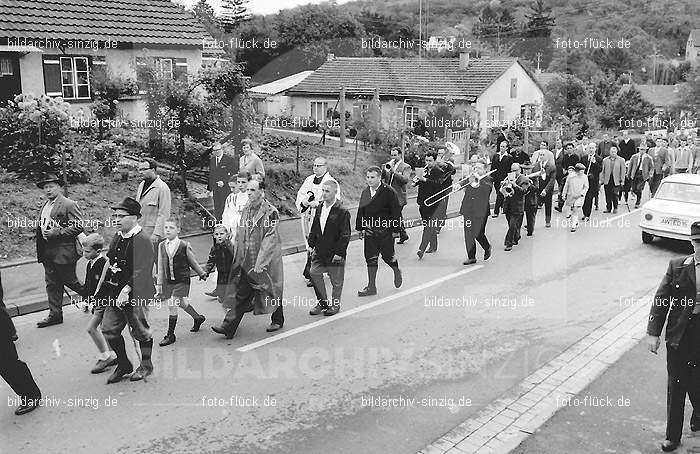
(575, 189)
(678, 301)
(59, 227)
(131, 263)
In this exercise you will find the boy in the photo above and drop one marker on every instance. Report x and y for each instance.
(575, 189)
(221, 258)
(235, 202)
(175, 258)
(97, 297)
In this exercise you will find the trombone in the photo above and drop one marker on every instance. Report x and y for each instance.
(456, 187)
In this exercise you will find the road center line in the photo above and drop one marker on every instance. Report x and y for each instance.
(364, 307)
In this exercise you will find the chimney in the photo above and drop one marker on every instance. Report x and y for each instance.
(330, 57)
(463, 60)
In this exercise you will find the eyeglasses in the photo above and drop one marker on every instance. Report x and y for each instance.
(319, 165)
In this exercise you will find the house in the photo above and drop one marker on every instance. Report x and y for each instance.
(440, 43)
(270, 99)
(692, 47)
(663, 97)
(483, 93)
(55, 47)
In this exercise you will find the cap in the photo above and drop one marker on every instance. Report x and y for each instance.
(695, 231)
(580, 166)
(129, 205)
(49, 178)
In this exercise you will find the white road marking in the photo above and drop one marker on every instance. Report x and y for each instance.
(620, 216)
(356, 310)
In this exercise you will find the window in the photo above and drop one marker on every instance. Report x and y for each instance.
(75, 78)
(319, 110)
(513, 88)
(165, 65)
(6, 67)
(494, 116)
(411, 116)
(528, 112)
(679, 192)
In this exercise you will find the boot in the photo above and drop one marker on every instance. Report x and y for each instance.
(124, 366)
(146, 367)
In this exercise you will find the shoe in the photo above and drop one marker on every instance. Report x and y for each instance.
(668, 445)
(103, 364)
(48, 321)
(141, 373)
(167, 340)
(332, 310)
(557, 209)
(119, 374)
(197, 323)
(309, 282)
(606, 211)
(573, 229)
(487, 254)
(529, 233)
(614, 211)
(508, 248)
(367, 292)
(636, 205)
(402, 240)
(221, 330)
(469, 262)
(420, 254)
(398, 277)
(495, 215)
(213, 294)
(548, 225)
(273, 327)
(596, 207)
(515, 243)
(27, 406)
(318, 308)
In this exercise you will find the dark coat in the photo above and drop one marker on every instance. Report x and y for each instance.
(626, 149)
(501, 167)
(221, 258)
(593, 168)
(674, 298)
(381, 210)
(475, 203)
(563, 162)
(63, 248)
(336, 234)
(515, 204)
(226, 168)
(136, 270)
(398, 180)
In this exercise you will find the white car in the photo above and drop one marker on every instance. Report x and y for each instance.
(674, 207)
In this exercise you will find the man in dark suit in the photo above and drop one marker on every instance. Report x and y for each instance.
(13, 331)
(514, 206)
(378, 219)
(221, 167)
(604, 145)
(677, 304)
(58, 230)
(543, 187)
(501, 164)
(594, 166)
(428, 185)
(13, 371)
(328, 244)
(396, 174)
(475, 209)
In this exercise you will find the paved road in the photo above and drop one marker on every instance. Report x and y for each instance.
(504, 318)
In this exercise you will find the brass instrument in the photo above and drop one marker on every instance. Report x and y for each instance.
(507, 188)
(456, 187)
(415, 177)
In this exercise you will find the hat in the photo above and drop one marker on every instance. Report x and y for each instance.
(643, 145)
(129, 205)
(695, 231)
(570, 168)
(580, 166)
(49, 178)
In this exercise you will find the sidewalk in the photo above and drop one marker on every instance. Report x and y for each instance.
(24, 287)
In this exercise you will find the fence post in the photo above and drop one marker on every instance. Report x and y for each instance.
(342, 117)
(354, 162)
(298, 156)
(526, 141)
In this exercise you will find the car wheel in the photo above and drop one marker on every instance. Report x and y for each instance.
(647, 237)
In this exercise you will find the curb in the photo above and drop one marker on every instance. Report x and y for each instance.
(38, 302)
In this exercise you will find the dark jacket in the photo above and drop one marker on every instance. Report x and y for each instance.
(226, 168)
(516, 203)
(336, 234)
(501, 167)
(134, 257)
(548, 183)
(626, 149)
(674, 298)
(398, 179)
(92, 276)
(382, 210)
(221, 258)
(593, 169)
(475, 204)
(603, 148)
(62, 248)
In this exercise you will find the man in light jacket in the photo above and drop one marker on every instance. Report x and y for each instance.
(154, 196)
(640, 170)
(396, 174)
(612, 177)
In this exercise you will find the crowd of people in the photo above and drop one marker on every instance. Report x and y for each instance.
(146, 261)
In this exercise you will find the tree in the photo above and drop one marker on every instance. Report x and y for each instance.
(233, 13)
(497, 29)
(627, 105)
(567, 102)
(688, 105)
(205, 13)
(536, 35)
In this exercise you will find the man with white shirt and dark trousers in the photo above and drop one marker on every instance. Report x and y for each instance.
(378, 218)
(328, 244)
(612, 177)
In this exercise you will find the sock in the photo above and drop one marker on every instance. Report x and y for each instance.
(119, 348)
(172, 322)
(146, 348)
(192, 311)
(372, 276)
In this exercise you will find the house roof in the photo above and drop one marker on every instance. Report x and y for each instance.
(280, 85)
(695, 37)
(130, 21)
(659, 95)
(433, 78)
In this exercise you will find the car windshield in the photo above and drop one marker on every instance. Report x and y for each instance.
(679, 192)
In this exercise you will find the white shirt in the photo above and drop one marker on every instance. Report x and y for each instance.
(46, 216)
(172, 245)
(130, 233)
(372, 192)
(325, 211)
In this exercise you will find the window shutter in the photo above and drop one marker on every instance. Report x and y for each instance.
(501, 115)
(180, 68)
(514, 88)
(52, 75)
(141, 74)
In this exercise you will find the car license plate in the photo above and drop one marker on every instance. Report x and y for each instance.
(674, 222)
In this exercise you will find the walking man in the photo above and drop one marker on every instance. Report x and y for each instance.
(396, 174)
(639, 172)
(328, 244)
(221, 168)
(677, 305)
(501, 164)
(58, 231)
(475, 209)
(612, 177)
(514, 205)
(153, 195)
(663, 163)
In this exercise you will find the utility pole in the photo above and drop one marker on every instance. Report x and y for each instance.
(539, 58)
(342, 117)
(420, 29)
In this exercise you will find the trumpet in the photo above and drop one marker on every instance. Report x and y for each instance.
(507, 188)
(415, 177)
(456, 187)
